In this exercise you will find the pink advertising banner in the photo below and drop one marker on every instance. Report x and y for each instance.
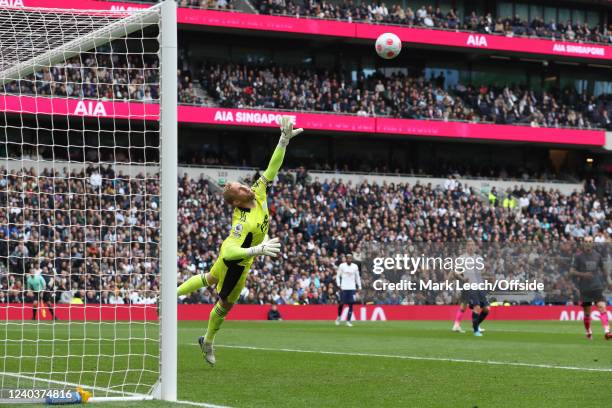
(313, 121)
(464, 130)
(487, 42)
(78, 107)
(344, 29)
(266, 23)
(262, 118)
(427, 128)
(74, 4)
(406, 34)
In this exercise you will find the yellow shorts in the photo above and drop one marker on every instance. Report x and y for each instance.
(231, 278)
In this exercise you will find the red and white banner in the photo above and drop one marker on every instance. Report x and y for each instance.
(289, 312)
(344, 29)
(311, 121)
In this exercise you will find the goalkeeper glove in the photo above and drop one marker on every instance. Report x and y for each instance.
(270, 247)
(287, 132)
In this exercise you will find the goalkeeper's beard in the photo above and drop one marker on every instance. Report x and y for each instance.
(249, 199)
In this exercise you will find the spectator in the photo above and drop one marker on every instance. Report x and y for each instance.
(76, 299)
(425, 16)
(399, 95)
(96, 256)
(273, 313)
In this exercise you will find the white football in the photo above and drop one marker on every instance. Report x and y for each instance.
(388, 45)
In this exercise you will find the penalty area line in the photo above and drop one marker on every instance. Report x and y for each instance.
(421, 358)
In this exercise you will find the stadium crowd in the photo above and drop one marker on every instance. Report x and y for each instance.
(134, 77)
(400, 95)
(199, 4)
(380, 12)
(99, 75)
(430, 17)
(207, 4)
(124, 77)
(93, 233)
(318, 221)
(438, 167)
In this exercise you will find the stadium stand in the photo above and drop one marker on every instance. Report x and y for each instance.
(39, 226)
(430, 17)
(398, 95)
(200, 4)
(318, 220)
(89, 76)
(252, 86)
(425, 16)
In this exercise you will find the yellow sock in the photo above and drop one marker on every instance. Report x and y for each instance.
(192, 284)
(217, 316)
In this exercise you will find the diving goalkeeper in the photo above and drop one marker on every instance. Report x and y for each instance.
(247, 239)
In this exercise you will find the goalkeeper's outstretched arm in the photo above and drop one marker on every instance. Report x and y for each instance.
(287, 133)
(270, 247)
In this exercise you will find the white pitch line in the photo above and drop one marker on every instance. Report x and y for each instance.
(200, 404)
(420, 358)
(86, 387)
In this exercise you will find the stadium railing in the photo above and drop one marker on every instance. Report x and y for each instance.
(221, 174)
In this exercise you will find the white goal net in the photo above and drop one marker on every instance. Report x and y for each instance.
(81, 200)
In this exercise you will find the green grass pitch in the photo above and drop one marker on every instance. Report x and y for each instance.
(383, 364)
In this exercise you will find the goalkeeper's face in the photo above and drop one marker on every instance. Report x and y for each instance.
(238, 194)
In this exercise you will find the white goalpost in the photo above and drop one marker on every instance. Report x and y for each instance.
(88, 202)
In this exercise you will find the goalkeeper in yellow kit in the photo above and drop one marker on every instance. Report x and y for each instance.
(247, 239)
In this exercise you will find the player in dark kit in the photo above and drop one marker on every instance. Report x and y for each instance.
(590, 276)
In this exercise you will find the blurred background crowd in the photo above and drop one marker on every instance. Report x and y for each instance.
(94, 233)
(433, 17)
(401, 96)
(420, 15)
(398, 95)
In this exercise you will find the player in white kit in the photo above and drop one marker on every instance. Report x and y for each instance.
(475, 299)
(349, 281)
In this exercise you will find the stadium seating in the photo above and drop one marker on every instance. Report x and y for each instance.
(202, 4)
(430, 17)
(89, 76)
(397, 95)
(423, 17)
(317, 221)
